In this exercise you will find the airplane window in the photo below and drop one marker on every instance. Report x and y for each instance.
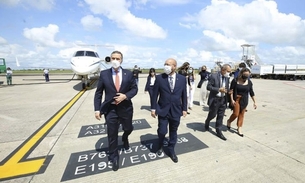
(79, 53)
(90, 54)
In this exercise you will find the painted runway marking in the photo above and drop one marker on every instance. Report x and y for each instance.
(292, 84)
(91, 162)
(17, 165)
(100, 129)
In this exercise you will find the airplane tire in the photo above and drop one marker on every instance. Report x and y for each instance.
(84, 85)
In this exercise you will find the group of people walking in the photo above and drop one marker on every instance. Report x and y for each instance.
(171, 95)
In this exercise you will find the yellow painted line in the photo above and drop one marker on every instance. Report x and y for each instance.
(16, 165)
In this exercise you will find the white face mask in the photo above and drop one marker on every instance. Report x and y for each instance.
(167, 69)
(227, 75)
(115, 64)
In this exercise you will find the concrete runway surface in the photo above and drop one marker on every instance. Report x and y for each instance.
(48, 133)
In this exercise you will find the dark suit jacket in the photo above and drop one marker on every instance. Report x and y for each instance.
(106, 84)
(147, 85)
(213, 86)
(174, 102)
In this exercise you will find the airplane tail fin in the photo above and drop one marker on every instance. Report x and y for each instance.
(17, 62)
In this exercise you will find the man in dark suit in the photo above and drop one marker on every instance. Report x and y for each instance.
(170, 87)
(120, 87)
(218, 86)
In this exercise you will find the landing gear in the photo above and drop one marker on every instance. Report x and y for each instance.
(85, 82)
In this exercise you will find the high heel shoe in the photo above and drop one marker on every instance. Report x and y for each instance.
(228, 126)
(240, 134)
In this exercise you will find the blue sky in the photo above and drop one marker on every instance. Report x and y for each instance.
(45, 33)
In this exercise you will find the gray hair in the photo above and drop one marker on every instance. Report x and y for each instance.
(225, 66)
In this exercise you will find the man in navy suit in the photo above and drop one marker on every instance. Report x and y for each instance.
(218, 86)
(170, 87)
(120, 87)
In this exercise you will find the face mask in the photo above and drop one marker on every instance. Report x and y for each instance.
(115, 64)
(227, 74)
(190, 71)
(167, 69)
(244, 77)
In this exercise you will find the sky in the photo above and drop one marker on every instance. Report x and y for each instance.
(46, 33)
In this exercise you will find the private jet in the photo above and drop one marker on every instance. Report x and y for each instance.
(86, 62)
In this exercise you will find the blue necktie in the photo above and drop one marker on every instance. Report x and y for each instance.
(171, 83)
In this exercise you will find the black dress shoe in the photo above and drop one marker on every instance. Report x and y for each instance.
(174, 158)
(160, 151)
(207, 128)
(115, 165)
(228, 125)
(220, 135)
(126, 144)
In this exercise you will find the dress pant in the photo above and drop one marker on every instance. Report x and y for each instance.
(217, 107)
(237, 113)
(204, 93)
(150, 91)
(190, 98)
(173, 124)
(114, 118)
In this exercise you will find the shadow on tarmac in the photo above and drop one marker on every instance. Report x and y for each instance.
(145, 107)
(199, 126)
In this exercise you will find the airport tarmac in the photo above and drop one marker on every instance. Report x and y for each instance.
(48, 133)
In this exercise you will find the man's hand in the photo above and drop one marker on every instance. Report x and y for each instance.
(223, 90)
(98, 115)
(184, 113)
(153, 114)
(119, 98)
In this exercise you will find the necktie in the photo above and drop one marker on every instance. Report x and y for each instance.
(117, 81)
(171, 83)
(223, 85)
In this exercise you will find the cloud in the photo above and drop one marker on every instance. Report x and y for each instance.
(215, 41)
(5, 47)
(44, 36)
(258, 21)
(40, 4)
(171, 2)
(2, 41)
(117, 11)
(10, 2)
(91, 23)
(164, 2)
